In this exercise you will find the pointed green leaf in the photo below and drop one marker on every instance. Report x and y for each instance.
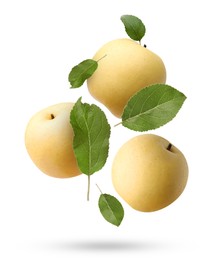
(134, 27)
(111, 209)
(152, 107)
(91, 136)
(82, 72)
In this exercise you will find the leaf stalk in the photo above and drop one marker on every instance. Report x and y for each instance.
(88, 187)
(101, 58)
(118, 124)
(99, 189)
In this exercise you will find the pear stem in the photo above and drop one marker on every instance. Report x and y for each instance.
(169, 147)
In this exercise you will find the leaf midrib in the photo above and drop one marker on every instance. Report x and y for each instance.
(110, 209)
(149, 110)
(89, 143)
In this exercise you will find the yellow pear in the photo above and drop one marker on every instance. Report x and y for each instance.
(149, 172)
(48, 140)
(124, 67)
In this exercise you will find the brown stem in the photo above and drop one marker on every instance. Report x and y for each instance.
(52, 116)
(169, 147)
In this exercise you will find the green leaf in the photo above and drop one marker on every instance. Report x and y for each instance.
(111, 209)
(134, 27)
(91, 136)
(152, 107)
(82, 72)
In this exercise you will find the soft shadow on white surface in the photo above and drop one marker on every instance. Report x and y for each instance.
(105, 245)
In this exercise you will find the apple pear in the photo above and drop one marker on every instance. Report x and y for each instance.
(124, 67)
(48, 140)
(149, 172)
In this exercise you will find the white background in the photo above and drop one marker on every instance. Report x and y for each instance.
(47, 218)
